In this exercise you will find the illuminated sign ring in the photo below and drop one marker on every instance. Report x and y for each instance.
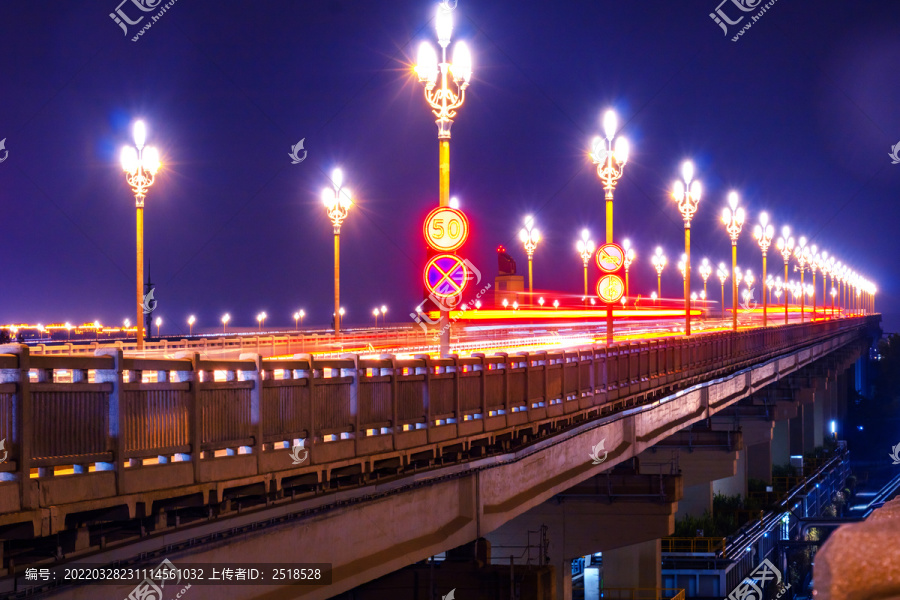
(446, 275)
(446, 229)
(610, 257)
(610, 288)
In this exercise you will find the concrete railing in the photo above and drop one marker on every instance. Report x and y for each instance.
(139, 425)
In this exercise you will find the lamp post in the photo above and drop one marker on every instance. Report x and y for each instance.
(375, 313)
(814, 262)
(610, 164)
(296, 318)
(445, 92)
(749, 279)
(801, 253)
(785, 245)
(822, 263)
(585, 248)
(529, 236)
(338, 201)
(722, 274)
(191, 320)
(225, 318)
(763, 234)
(158, 323)
(140, 165)
(260, 319)
(687, 194)
(733, 218)
(629, 258)
(659, 263)
(705, 272)
(770, 283)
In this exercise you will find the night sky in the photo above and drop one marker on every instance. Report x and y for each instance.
(799, 116)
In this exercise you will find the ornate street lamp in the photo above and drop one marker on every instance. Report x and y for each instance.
(610, 163)
(529, 236)
(802, 254)
(785, 245)
(814, 261)
(722, 274)
(191, 320)
(822, 263)
(705, 272)
(687, 194)
(585, 248)
(337, 200)
(659, 263)
(733, 218)
(140, 165)
(629, 258)
(763, 234)
(445, 92)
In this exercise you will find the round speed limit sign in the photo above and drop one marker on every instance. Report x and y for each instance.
(446, 229)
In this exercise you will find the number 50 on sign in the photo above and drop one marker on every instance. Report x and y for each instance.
(446, 229)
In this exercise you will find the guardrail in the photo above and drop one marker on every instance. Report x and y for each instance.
(195, 420)
(699, 545)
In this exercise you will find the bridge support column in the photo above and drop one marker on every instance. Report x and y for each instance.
(737, 483)
(697, 500)
(820, 409)
(586, 519)
(781, 443)
(809, 419)
(635, 566)
(758, 445)
(802, 436)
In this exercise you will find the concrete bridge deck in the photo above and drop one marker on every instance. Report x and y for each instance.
(402, 459)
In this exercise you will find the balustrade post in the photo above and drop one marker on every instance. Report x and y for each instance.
(426, 393)
(257, 375)
(195, 411)
(354, 397)
(116, 411)
(484, 376)
(395, 398)
(24, 422)
(456, 375)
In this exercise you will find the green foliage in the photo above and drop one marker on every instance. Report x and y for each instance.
(784, 471)
(718, 525)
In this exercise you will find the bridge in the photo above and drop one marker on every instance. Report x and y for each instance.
(373, 463)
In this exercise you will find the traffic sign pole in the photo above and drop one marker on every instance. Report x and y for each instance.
(687, 278)
(611, 287)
